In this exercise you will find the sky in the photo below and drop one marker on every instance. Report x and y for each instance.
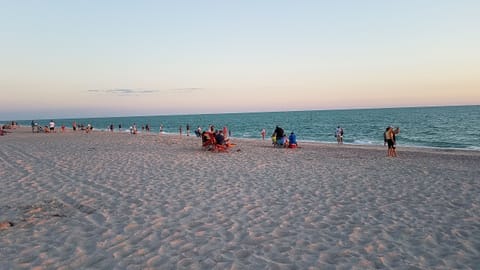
(62, 59)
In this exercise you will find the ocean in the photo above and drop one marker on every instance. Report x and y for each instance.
(450, 127)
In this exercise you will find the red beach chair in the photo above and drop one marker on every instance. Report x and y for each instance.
(210, 144)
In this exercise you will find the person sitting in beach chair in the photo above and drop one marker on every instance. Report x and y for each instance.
(280, 141)
(219, 138)
(221, 144)
(207, 139)
(292, 140)
(286, 142)
(214, 142)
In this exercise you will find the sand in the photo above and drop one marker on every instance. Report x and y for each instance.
(118, 201)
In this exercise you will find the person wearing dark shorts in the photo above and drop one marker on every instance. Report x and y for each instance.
(52, 126)
(389, 137)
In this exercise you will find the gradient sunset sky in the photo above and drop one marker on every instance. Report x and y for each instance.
(61, 59)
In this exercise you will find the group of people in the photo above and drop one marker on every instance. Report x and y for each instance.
(50, 128)
(390, 140)
(133, 128)
(3, 128)
(280, 139)
(214, 139)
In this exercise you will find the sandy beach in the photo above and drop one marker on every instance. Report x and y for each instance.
(118, 201)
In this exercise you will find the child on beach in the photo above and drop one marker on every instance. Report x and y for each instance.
(292, 140)
(339, 135)
(274, 139)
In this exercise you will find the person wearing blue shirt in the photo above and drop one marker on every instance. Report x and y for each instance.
(292, 140)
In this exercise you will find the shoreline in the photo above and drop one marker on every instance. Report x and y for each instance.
(25, 129)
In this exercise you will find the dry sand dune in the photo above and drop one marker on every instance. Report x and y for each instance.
(119, 201)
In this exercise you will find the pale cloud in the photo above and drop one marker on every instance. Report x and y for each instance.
(122, 91)
(137, 92)
(186, 90)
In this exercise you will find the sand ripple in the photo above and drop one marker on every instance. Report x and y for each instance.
(115, 201)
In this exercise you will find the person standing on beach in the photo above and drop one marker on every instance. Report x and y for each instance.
(395, 132)
(180, 130)
(188, 130)
(390, 139)
(263, 132)
(220, 137)
(278, 132)
(225, 131)
(278, 135)
(339, 135)
(133, 129)
(74, 126)
(52, 126)
(385, 136)
(119, 127)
